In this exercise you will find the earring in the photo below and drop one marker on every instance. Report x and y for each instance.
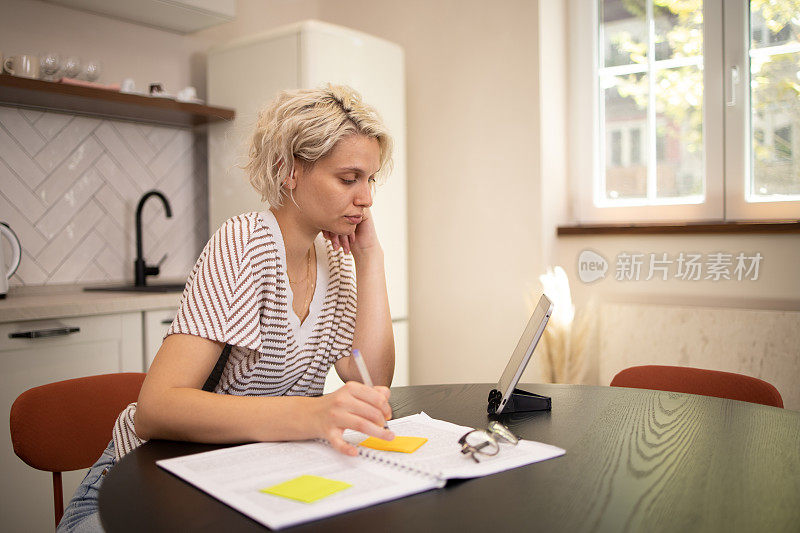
(291, 196)
(288, 179)
(291, 189)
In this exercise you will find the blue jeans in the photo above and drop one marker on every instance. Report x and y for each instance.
(81, 515)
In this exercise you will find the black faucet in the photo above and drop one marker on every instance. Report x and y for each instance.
(141, 269)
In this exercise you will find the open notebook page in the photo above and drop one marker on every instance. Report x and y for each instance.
(236, 476)
(442, 456)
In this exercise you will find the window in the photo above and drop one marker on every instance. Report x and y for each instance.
(782, 146)
(636, 146)
(684, 127)
(616, 148)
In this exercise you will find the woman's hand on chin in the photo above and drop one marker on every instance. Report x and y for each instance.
(362, 240)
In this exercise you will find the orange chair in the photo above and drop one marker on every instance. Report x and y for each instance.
(699, 381)
(66, 425)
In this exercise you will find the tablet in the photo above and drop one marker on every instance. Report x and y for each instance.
(522, 354)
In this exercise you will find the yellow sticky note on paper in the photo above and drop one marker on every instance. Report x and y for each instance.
(307, 489)
(399, 444)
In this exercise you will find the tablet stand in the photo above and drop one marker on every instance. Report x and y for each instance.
(520, 401)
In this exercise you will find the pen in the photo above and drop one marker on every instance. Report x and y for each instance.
(362, 369)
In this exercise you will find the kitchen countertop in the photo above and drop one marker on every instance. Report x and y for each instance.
(55, 301)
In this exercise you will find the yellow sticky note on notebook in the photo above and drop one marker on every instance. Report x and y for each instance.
(307, 489)
(398, 444)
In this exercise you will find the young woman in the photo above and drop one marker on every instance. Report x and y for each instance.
(276, 298)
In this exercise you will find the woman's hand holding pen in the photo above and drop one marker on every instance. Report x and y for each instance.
(353, 406)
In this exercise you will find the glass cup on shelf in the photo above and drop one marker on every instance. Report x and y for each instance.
(91, 70)
(72, 67)
(50, 67)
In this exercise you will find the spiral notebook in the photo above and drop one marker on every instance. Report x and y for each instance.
(280, 484)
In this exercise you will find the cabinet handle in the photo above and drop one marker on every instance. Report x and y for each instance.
(166, 321)
(39, 333)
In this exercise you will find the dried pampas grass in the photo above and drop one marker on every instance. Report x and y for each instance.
(562, 354)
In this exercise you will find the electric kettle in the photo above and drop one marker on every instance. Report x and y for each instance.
(16, 255)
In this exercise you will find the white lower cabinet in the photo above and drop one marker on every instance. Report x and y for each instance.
(156, 323)
(73, 347)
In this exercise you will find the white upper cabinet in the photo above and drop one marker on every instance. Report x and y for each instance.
(180, 16)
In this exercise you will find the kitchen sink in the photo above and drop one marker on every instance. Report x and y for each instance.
(167, 287)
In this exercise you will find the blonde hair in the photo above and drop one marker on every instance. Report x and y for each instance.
(306, 124)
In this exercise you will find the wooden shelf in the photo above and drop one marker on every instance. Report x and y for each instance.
(783, 226)
(24, 92)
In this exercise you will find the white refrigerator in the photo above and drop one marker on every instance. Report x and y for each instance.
(247, 73)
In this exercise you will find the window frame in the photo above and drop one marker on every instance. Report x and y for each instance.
(737, 120)
(724, 126)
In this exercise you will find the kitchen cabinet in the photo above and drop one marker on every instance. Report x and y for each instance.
(102, 344)
(180, 16)
(155, 323)
(249, 72)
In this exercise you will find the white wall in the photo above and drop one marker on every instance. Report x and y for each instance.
(473, 174)
(747, 326)
(777, 286)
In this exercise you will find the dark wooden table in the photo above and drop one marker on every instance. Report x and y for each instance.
(636, 460)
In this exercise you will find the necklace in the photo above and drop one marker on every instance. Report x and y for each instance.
(308, 270)
(307, 301)
(309, 289)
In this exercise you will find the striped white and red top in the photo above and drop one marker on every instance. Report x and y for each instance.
(238, 293)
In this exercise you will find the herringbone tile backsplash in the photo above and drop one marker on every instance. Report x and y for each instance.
(69, 186)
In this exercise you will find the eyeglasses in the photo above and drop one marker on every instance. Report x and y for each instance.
(486, 441)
